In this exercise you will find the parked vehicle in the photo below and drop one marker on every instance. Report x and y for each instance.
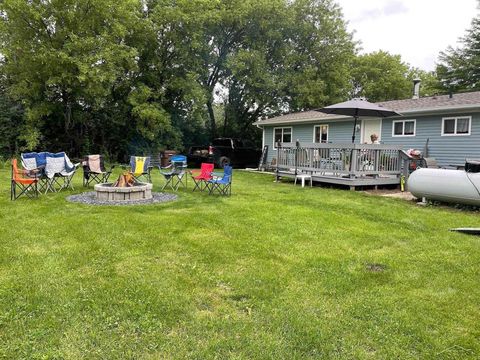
(222, 151)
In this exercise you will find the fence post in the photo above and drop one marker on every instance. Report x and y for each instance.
(297, 146)
(279, 148)
(353, 162)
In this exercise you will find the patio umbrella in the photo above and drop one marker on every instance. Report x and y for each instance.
(358, 107)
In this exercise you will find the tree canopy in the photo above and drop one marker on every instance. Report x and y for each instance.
(139, 76)
(459, 68)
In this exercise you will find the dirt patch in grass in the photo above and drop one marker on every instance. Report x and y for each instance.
(375, 267)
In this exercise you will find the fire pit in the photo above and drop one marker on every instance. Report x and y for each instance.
(124, 189)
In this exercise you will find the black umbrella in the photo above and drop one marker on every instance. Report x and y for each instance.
(356, 108)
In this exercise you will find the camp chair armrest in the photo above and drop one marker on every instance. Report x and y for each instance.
(194, 172)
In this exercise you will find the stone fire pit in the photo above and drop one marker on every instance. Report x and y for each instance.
(125, 191)
(108, 192)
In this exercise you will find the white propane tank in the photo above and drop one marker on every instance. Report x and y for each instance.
(454, 186)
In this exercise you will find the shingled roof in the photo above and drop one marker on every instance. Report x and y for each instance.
(431, 104)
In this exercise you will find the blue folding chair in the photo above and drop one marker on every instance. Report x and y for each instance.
(34, 163)
(222, 185)
(177, 174)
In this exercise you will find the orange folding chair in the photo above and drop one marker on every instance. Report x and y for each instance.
(27, 185)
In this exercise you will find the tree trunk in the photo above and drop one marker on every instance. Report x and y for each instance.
(211, 114)
(225, 118)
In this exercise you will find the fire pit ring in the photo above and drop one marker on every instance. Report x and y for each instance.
(109, 192)
(90, 198)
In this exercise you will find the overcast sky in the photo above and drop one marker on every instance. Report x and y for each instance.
(415, 29)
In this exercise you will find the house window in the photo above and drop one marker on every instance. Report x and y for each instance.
(456, 126)
(404, 128)
(282, 135)
(320, 134)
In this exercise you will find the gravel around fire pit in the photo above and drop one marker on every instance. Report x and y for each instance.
(89, 199)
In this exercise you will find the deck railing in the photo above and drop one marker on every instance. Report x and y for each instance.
(340, 160)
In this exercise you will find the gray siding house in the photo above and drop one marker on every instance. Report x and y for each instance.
(448, 126)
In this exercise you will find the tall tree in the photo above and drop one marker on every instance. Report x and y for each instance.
(62, 59)
(271, 57)
(11, 123)
(380, 76)
(459, 68)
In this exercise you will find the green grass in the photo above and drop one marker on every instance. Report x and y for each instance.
(273, 272)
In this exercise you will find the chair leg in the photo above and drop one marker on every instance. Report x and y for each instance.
(67, 182)
(195, 185)
(168, 182)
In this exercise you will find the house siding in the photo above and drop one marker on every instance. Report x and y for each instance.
(448, 150)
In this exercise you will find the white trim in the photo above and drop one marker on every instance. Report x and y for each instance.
(455, 126)
(263, 138)
(315, 126)
(403, 128)
(410, 112)
(362, 129)
(282, 127)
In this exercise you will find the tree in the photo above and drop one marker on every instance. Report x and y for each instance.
(142, 75)
(63, 60)
(273, 57)
(380, 76)
(459, 68)
(11, 123)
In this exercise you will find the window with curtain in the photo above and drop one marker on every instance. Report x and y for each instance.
(404, 128)
(456, 126)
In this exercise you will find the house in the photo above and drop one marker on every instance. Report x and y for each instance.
(447, 126)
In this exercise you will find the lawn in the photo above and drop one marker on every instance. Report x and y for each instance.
(273, 272)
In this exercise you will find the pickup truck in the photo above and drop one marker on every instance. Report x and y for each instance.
(221, 151)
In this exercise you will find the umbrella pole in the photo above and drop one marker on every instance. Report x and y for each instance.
(353, 139)
(354, 129)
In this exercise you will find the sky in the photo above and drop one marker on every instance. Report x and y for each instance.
(418, 30)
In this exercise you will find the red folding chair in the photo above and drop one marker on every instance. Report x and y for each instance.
(202, 175)
(26, 185)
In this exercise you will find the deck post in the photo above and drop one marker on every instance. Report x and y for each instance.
(353, 162)
(279, 145)
(297, 146)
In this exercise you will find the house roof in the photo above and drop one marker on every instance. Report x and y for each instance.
(425, 105)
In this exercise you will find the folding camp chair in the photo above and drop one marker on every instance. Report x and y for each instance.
(200, 177)
(35, 164)
(26, 185)
(221, 185)
(177, 174)
(140, 166)
(59, 167)
(94, 170)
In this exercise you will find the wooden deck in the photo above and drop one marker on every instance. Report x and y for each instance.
(351, 165)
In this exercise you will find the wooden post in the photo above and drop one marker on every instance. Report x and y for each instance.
(279, 148)
(297, 145)
(353, 163)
